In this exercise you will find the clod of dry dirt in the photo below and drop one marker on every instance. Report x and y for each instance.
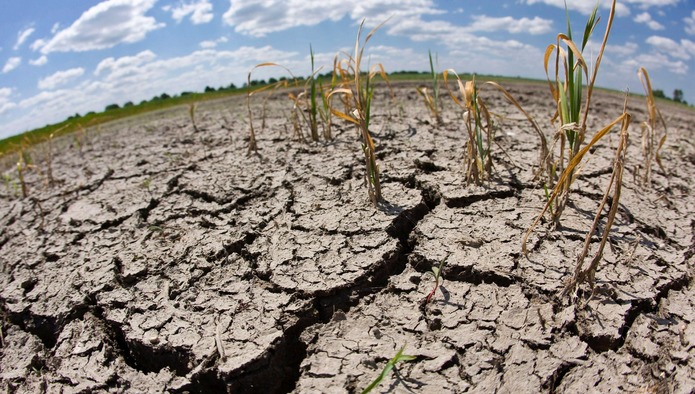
(161, 259)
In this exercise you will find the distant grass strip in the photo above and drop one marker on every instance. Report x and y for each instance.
(18, 142)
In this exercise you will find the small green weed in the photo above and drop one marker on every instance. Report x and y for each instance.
(436, 273)
(391, 364)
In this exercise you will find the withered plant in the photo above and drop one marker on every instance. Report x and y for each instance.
(651, 132)
(432, 101)
(573, 114)
(588, 274)
(358, 89)
(479, 129)
(191, 114)
(21, 167)
(253, 146)
(326, 108)
(568, 92)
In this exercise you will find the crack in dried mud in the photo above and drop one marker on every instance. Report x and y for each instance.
(272, 273)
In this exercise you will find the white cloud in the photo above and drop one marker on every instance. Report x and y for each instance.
(683, 50)
(260, 18)
(654, 62)
(141, 77)
(55, 28)
(105, 25)
(60, 78)
(22, 37)
(114, 66)
(645, 4)
(5, 103)
(646, 18)
(40, 61)
(11, 64)
(690, 24)
(524, 25)
(586, 6)
(689, 46)
(627, 49)
(38, 44)
(208, 44)
(200, 11)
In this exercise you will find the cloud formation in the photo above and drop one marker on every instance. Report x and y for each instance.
(11, 64)
(683, 50)
(258, 19)
(22, 37)
(646, 18)
(690, 24)
(208, 44)
(200, 11)
(40, 61)
(536, 25)
(5, 103)
(585, 6)
(60, 78)
(103, 26)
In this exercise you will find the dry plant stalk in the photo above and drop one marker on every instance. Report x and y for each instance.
(589, 274)
(49, 159)
(466, 90)
(432, 101)
(358, 93)
(650, 149)
(305, 103)
(478, 162)
(325, 111)
(544, 157)
(569, 171)
(191, 114)
(567, 93)
(21, 166)
(572, 131)
(253, 146)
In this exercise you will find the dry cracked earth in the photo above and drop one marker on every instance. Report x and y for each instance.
(164, 259)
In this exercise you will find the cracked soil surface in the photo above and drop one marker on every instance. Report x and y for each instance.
(164, 259)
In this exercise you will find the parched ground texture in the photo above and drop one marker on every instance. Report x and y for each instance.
(165, 259)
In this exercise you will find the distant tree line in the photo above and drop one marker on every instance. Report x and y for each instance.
(165, 96)
(677, 95)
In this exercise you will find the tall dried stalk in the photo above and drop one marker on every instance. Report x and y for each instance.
(359, 92)
(568, 93)
(478, 160)
(615, 184)
(650, 127)
(253, 145)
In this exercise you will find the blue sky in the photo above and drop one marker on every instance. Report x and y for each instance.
(58, 58)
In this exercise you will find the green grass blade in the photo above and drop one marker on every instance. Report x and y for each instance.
(590, 25)
(399, 357)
